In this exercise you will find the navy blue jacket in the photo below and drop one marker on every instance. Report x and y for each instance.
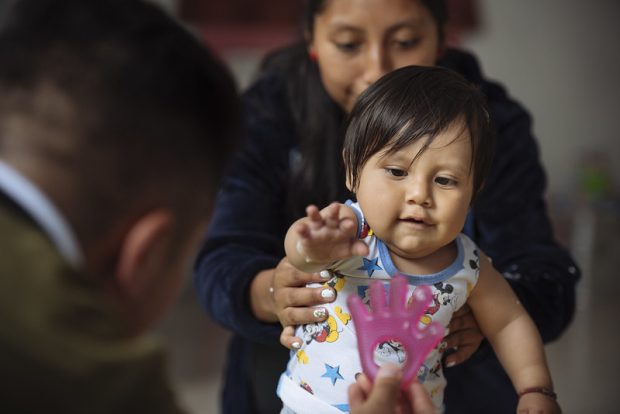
(508, 221)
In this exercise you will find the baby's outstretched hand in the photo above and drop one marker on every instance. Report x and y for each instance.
(398, 322)
(328, 235)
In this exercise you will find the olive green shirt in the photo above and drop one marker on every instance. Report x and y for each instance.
(63, 344)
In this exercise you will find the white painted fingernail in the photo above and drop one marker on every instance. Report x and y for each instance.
(296, 345)
(450, 364)
(325, 274)
(327, 293)
(319, 313)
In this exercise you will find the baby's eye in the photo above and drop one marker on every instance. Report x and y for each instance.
(445, 181)
(396, 172)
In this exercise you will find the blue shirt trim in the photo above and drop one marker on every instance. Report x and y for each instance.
(359, 215)
(417, 280)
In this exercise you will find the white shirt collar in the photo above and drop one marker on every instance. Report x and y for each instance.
(32, 200)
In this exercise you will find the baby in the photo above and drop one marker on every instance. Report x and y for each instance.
(417, 148)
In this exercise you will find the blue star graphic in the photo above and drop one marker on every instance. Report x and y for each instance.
(370, 265)
(332, 373)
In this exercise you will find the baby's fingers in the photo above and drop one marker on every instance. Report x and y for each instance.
(288, 338)
(315, 220)
(359, 248)
(303, 230)
(331, 215)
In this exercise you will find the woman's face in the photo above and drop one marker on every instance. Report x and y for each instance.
(358, 41)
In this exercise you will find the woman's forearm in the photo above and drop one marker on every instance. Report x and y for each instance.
(260, 296)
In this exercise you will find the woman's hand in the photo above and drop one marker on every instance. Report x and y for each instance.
(464, 338)
(385, 396)
(281, 294)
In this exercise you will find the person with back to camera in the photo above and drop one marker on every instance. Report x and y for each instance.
(294, 113)
(111, 117)
(417, 147)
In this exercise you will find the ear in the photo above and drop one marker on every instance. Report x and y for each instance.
(140, 255)
(347, 174)
(310, 48)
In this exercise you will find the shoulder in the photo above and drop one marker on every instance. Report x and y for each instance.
(267, 95)
(469, 249)
(267, 111)
(504, 109)
(466, 241)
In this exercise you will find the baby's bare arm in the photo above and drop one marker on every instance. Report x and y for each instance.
(512, 333)
(323, 237)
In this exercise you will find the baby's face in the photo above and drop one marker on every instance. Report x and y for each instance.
(418, 207)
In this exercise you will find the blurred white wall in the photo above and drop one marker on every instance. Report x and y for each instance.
(561, 59)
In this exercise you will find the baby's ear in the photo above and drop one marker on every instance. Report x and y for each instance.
(348, 182)
(348, 174)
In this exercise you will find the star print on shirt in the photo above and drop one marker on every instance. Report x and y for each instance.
(332, 373)
(370, 266)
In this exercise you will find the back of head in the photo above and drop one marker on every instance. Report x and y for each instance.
(120, 102)
(412, 103)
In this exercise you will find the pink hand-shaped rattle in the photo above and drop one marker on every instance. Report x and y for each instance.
(396, 323)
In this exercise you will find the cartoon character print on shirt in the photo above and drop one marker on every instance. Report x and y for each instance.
(337, 282)
(326, 331)
(425, 371)
(444, 296)
(365, 231)
(303, 384)
(364, 290)
(441, 297)
(390, 351)
(475, 263)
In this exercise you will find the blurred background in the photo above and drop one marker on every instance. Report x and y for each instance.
(561, 59)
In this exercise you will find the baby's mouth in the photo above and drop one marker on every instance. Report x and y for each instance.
(416, 221)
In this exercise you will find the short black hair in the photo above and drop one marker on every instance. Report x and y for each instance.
(123, 97)
(412, 103)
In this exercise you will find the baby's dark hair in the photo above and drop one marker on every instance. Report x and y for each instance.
(122, 99)
(413, 103)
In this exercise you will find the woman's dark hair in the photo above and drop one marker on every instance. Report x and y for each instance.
(412, 103)
(318, 178)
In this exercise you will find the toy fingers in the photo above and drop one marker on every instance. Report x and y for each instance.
(394, 322)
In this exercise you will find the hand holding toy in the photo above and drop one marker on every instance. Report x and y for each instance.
(396, 323)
